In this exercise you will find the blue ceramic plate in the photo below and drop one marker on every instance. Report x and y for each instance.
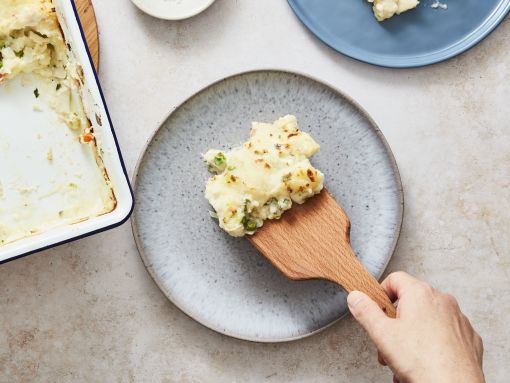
(416, 38)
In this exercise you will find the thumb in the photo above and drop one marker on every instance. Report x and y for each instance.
(369, 315)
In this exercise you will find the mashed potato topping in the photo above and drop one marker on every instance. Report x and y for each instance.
(260, 179)
(384, 9)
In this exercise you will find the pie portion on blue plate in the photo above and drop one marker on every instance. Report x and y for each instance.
(433, 32)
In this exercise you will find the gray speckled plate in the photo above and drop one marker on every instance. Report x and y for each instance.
(221, 281)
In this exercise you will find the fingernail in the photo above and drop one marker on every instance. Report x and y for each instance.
(354, 298)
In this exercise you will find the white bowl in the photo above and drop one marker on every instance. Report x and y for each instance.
(173, 9)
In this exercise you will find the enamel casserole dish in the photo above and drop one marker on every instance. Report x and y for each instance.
(62, 176)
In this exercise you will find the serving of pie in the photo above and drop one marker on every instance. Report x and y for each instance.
(261, 179)
(385, 9)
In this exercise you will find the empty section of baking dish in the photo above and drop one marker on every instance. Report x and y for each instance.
(50, 182)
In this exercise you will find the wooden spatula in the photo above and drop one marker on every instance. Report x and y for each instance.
(311, 241)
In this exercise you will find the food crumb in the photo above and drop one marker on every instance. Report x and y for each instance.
(438, 5)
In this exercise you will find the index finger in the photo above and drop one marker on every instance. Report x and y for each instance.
(397, 282)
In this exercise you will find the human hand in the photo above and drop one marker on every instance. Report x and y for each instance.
(429, 341)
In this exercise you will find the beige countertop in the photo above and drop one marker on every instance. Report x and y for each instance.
(88, 311)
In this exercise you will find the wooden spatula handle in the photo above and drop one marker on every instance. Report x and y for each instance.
(312, 241)
(355, 277)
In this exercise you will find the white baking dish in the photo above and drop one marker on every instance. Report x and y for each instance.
(16, 105)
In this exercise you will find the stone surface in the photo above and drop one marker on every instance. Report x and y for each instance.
(88, 311)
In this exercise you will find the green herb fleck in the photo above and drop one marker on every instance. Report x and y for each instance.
(58, 86)
(246, 203)
(231, 168)
(249, 223)
(20, 54)
(1, 64)
(36, 93)
(219, 159)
